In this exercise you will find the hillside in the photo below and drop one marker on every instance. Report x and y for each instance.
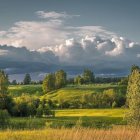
(69, 93)
(72, 93)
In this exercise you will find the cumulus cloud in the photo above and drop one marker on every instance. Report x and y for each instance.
(97, 51)
(10, 53)
(53, 41)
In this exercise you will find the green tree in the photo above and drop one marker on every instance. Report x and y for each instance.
(4, 83)
(49, 83)
(133, 97)
(6, 102)
(60, 79)
(88, 76)
(134, 67)
(79, 80)
(27, 79)
(39, 111)
(124, 81)
(4, 119)
(14, 82)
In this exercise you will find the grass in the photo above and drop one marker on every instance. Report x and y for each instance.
(67, 93)
(71, 93)
(97, 118)
(18, 90)
(91, 112)
(72, 134)
(93, 118)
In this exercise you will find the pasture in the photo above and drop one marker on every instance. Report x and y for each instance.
(91, 118)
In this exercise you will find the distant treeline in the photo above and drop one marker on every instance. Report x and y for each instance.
(80, 79)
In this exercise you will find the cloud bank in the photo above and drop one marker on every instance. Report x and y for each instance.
(52, 41)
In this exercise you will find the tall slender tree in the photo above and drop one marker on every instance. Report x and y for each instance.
(88, 76)
(133, 97)
(27, 79)
(60, 79)
(49, 83)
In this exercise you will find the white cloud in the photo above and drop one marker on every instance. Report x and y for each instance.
(53, 40)
(94, 50)
(54, 15)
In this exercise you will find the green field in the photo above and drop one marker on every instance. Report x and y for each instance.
(98, 118)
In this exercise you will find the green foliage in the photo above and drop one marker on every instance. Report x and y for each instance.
(106, 80)
(14, 82)
(88, 96)
(54, 81)
(114, 104)
(96, 118)
(49, 83)
(39, 112)
(124, 81)
(4, 119)
(6, 101)
(60, 79)
(88, 76)
(27, 79)
(18, 90)
(4, 83)
(133, 97)
(78, 80)
(134, 67)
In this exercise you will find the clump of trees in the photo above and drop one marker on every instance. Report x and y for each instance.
(124, 81)
(31, 106)
(86, 78)
(5, 101)
(20, 106)
(4, 119)
(54, 81)
(27, 79)
(133, 97)
(108, 98)
(112, 80)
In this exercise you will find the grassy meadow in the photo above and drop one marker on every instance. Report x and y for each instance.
(70, 92)
(69, 124)
(88, 118)
(94, 118)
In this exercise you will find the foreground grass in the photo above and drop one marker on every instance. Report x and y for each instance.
(72, 134)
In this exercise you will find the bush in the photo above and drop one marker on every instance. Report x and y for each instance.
(4, 119)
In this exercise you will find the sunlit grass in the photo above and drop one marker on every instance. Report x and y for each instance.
(91, 112)
(93, 118)
(72, 134)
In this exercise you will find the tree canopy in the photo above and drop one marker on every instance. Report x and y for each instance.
(133, 97)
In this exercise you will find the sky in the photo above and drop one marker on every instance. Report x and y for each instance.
(120, 16)
(102, 33)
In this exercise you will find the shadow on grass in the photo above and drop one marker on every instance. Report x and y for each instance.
(86, 121)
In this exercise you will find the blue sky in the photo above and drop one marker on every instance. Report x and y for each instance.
(120, 16)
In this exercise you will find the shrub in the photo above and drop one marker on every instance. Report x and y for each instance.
(4, 119)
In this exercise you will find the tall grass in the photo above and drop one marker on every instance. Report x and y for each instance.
(72, 134)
